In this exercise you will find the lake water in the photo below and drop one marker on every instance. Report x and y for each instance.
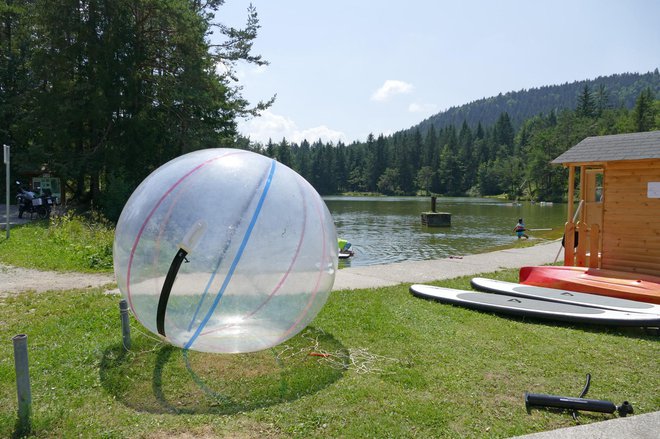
(383, 230)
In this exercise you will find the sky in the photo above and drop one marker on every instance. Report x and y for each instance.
(342, 69)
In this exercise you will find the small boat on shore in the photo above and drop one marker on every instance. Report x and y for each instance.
(621, 284)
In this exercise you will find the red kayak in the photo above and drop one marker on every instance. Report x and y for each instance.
(624, 285)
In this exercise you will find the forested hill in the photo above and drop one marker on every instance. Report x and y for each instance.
(496, 157)
(615, 91)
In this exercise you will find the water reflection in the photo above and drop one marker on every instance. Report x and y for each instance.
(388, 229)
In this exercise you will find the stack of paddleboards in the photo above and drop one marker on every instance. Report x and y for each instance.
(545, 303)
(613, 283)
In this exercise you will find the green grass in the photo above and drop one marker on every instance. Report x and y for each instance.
(64, 243)
(399, 367)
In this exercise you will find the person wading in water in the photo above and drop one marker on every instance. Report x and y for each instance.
(520, 229)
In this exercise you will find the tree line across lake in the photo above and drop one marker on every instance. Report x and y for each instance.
(464, 160)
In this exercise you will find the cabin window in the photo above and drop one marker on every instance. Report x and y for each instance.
(598, 196)
(594, 186)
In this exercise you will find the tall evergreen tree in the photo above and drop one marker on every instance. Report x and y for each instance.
(405, 159)
(602, 99)
(431, 157)
(428, 156)
(375, 160)
(270, 149)
(371, 163)
(450, 172)
(340, 170)
(466, 155)
(283, 153)
(480, 132)
(303, 160)
(586, 106)
(503, 134)
(644, 111)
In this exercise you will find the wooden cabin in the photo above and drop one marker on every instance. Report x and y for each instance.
(617, 218)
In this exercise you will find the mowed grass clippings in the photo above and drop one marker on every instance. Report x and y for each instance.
(374, 363)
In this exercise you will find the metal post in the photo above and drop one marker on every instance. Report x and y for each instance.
(6, 156)
(22, 383)
(125, 326)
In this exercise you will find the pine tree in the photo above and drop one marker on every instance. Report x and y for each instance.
(586, 106)
(283, 153)
(340, 169)
(466, 156)
(503, 133)
(602, 100)
(303, 160)
(270, 149)
(644, 111)
(480, 132)
(429, 149)
(450, 171)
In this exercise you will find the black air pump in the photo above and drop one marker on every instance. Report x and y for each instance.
(580, 403)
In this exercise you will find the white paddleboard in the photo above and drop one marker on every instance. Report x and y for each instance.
(542, 309)
(563, 296)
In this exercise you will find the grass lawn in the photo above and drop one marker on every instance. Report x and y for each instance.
(63, 243)
(374, 363)
(398, 366)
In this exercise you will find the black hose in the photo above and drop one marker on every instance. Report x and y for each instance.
(167, 289)
(582, 394)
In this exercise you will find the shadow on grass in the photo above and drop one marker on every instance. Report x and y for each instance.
(641, 333)
(22, 428)
(168, 379)
(637, 332)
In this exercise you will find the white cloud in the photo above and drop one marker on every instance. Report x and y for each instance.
(251, 71)
(390, 88)
(221, 68)
(320, 132)
(276, 127)
(416, 107)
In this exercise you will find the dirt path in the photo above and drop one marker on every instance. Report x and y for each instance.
(14, 280)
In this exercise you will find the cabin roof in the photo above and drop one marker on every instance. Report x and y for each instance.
(617, 147)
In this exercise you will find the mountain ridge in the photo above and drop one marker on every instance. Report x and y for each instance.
(621, 89)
